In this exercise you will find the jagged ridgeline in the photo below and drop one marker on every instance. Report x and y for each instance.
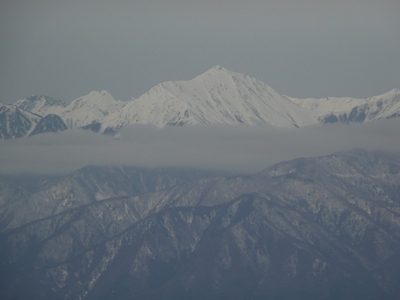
(218, 96)
(310, 228)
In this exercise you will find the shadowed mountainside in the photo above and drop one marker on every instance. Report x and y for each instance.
(315, 228)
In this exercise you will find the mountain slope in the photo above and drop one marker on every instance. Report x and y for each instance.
(321, 228)
(218, 96)
(89, 108)
(221, 96)
(16, 122)
(347, 110)
(90, 185)
(80, 112)
(41, 105)
(50, 123)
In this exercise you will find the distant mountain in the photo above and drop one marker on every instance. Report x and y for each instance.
(80, 112)
(16, 122)
(41, 105)
(90, 108)
(218, 96)
(348, 110)
(51, 115)
(310, 228)
(50, 123)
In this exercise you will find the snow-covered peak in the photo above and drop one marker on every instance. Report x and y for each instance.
(41, 105)
(221, 75)
(94, 98)
(216, 96)
(216, 71)
(90, 108)
(218, 68)
(346, 109)
(388, 95)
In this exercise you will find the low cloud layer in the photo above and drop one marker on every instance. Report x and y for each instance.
(243, 149)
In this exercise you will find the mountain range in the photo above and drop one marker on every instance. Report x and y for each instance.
(218, 96)
(310, 228)
(323, 228)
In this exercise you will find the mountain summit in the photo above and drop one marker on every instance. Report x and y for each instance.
(220, 96)
(217, 96)
(41, 105)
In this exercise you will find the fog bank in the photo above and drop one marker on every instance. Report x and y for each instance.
(244, 149)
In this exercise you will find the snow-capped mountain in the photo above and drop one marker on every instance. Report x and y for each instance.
(218, 96)
(346, 110)
(16, 122)
(80, 112)
(90, 108)
(20, 120)
(41, 105)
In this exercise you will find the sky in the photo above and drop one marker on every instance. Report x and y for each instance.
(235, 148)
(65, 49)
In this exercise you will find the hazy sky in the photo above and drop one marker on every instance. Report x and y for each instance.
(237, 148)
(65, 49)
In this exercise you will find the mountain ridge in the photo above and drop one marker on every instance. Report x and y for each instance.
(298, 228)
(217, 96)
